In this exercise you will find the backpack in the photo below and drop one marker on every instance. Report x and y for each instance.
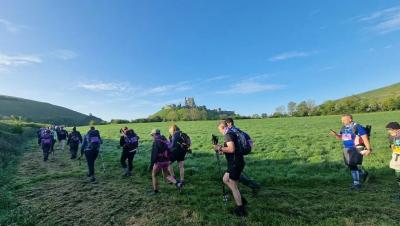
(75, 137)
(46, 139)
(186, 142)
(244, 141)
(132, 140)
(358, 139)
(94, 139)
(164, 153)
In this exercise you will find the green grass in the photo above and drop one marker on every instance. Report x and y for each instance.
(299, 166)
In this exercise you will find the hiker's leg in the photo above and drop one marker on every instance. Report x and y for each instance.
(234, 189)
(154, 177)
(90, 162)
(130, 161)
(123, 160)
(355, 174)
(169, 177)
(181, 166)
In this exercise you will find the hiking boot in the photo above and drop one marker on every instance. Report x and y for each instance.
(355, 187)
(88, 175)
(155, 192)
(93, 179)
(239, 211)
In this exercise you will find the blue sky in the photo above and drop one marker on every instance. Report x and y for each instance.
(126, 59)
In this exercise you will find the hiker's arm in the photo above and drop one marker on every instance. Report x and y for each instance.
(333, 133)
(84, 144)
(230, 147)
(367, 144)
(69, 138)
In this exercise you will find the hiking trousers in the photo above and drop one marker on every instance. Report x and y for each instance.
(91, 156)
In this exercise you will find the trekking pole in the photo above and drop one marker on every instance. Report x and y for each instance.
(224, 195)
(102, 162)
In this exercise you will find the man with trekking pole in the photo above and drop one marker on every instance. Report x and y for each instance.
(235, 162)
(244, 179)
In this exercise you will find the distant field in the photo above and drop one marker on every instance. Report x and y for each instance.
(300, 168)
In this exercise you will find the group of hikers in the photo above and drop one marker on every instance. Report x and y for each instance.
(237, 144)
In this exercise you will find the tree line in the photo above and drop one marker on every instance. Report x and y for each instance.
(353, 104)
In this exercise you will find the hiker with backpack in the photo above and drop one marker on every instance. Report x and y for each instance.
(74, 139)
(91, 147)
(356, 144)
(234, 157)
(62, 135)
(46, 141)
(54, 137)
(179, 145)
(129, 142)
(244, 179)
(160, 160)
(393, 129)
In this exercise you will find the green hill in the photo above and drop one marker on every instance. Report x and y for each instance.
(29, 110)
(380, 94)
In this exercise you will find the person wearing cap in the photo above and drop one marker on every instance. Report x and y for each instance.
(160, 160)
(74, 139)
(393, 129)
(356, 145)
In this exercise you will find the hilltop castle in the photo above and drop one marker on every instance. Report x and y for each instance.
(189, 102)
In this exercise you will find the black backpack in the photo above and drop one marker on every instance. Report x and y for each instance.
(75, 137)
(244, 141)
(186, 142)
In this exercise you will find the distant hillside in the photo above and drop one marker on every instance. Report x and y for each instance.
(35, 111)
(381, 94)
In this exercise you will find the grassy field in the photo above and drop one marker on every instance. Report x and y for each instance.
(298, 165)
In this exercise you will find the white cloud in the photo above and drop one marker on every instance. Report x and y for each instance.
(247, 87)
(11, 27)
(216, 78)
(116, 89)
(383, 21)
(64, 54)
(103, 86)
(165, 89)
(291, 54)
(18, 60)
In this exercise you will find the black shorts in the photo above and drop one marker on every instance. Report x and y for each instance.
(352, 157)
(234, 172)
(178, 156)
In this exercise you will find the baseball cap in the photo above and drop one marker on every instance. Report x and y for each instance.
(393, 125)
